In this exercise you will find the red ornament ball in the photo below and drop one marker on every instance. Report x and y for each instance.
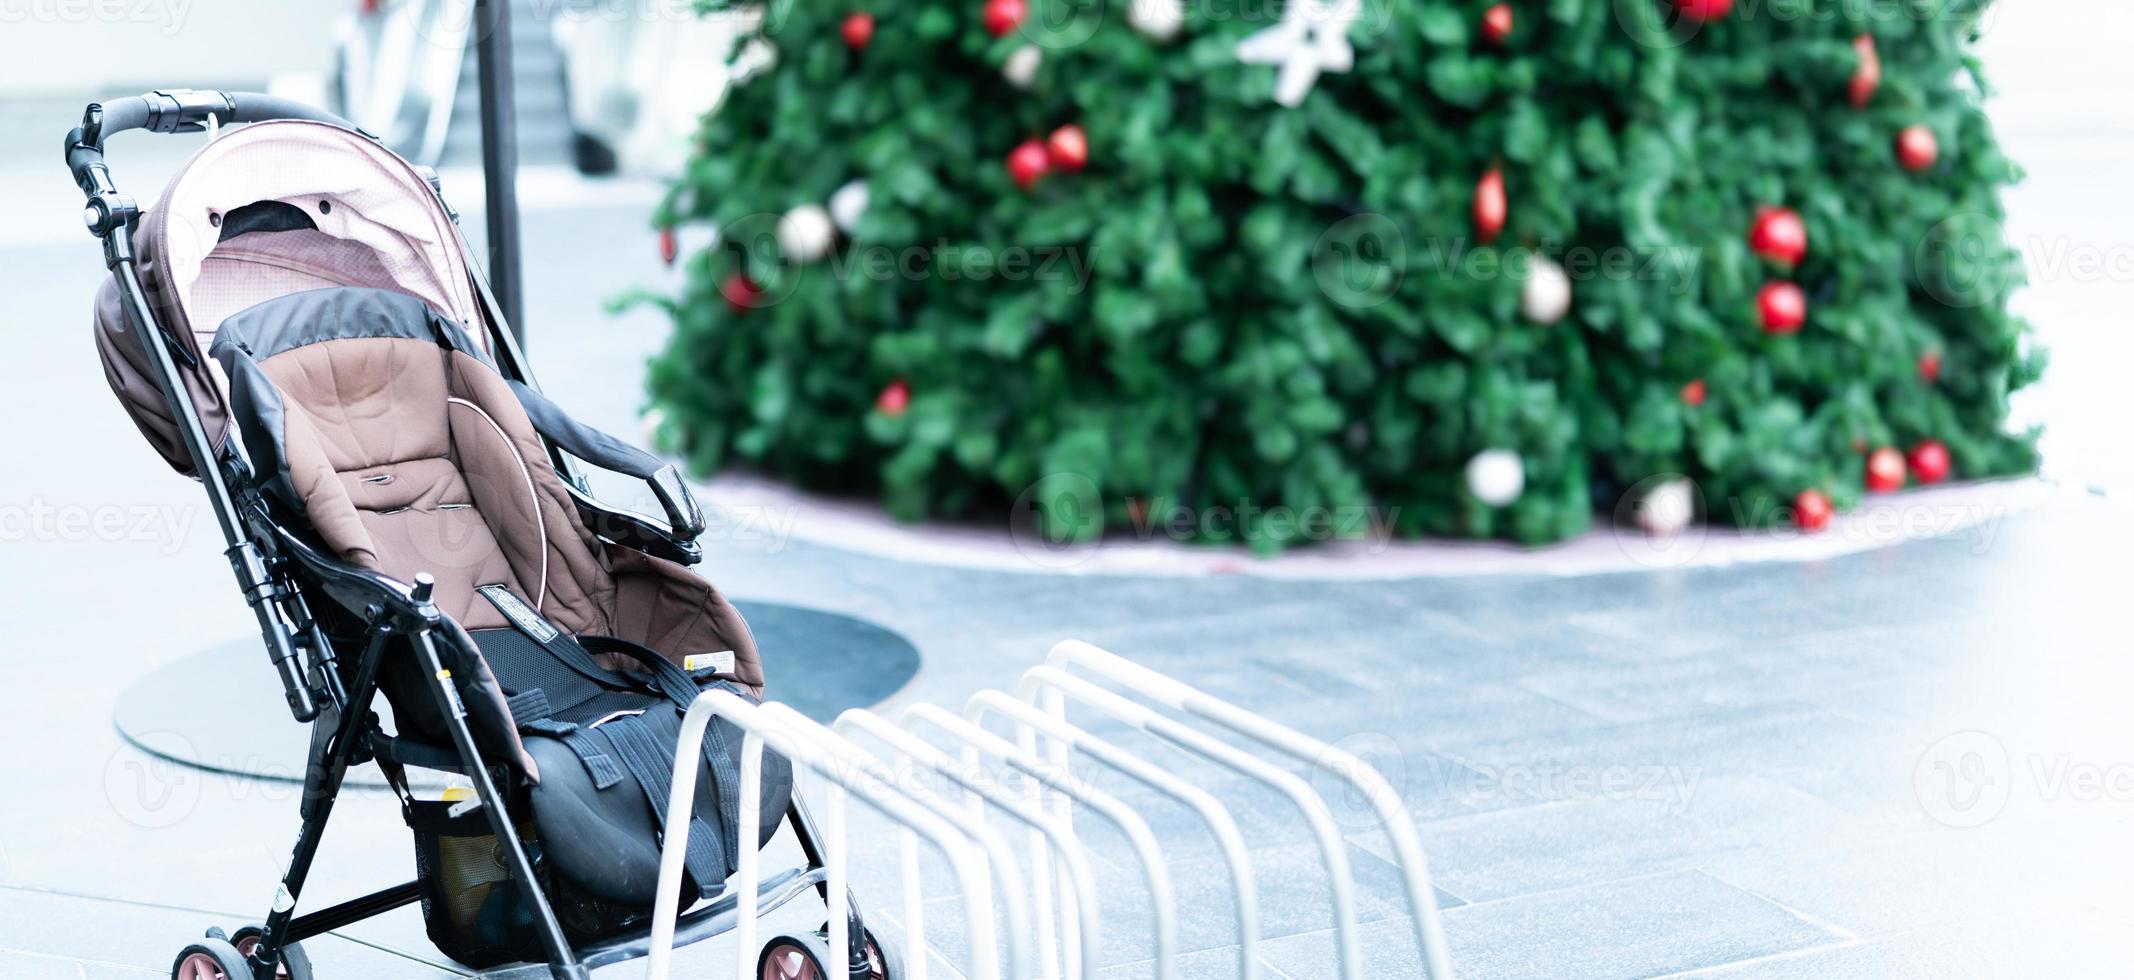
(858, 29)
(1783, 307)
(1068, 147)
(1779, 235)
(668, 247)
(1930, 366)
(1885, 471)
(1812, 511)
(894, 399)
(1003, 16)
(1917, 149)
(1704, 11)
(1490, 206)
(1930, 461)
(1028, 162)
(1497, 24)
(1693, 393)
(1867, 78)
(740, 292)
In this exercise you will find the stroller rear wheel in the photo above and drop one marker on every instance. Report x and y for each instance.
(295, 964)
(210, 959)
(805, 957)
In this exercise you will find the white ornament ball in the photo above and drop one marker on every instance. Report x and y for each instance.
(1157, 20)
(1496, 476)
(1021, 67)
(1667, 508)
(848, 204)
(1546, 297)
(655, 425)
(806, 233)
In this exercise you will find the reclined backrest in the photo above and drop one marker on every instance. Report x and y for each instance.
(385, 425)
(368, 219)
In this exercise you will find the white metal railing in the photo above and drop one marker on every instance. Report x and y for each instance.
(1055, 911)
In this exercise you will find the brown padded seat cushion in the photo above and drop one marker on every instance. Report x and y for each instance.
(407, 461)
(409, 453)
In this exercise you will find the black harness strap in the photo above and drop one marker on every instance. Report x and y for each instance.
(647, 758)
(597, 762)
(671, 680)
(675, 683)
(528, 706)
(649, 762)
(559, 644)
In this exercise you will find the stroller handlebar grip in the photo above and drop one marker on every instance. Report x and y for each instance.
(173, 111)
(250, 107)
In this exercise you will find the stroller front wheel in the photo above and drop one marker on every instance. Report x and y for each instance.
(793, 958)
(884, 961)
(295, 965)
(210, 959)
(804, 957)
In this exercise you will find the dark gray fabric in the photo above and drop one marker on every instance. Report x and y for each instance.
(336, 313)
(256, 405)
(584, 441)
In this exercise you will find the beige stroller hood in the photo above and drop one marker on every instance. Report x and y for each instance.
(373, 221)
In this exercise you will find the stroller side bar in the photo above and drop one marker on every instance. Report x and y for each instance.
(258, 585)
(562, 960)
(111, 216)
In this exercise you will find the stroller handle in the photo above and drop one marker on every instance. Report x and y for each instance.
(171, 111)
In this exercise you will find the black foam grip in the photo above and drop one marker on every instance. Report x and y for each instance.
(259, 107)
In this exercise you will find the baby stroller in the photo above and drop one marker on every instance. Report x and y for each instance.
(297, 324)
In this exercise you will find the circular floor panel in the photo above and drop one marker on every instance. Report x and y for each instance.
(221, 709)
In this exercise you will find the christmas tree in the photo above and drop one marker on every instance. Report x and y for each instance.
(1484, 268)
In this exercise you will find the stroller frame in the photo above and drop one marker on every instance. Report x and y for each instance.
(266, 556)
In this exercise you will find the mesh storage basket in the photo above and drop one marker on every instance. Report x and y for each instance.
(470, 906)
(472, 909)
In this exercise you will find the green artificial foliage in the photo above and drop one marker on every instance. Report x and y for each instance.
(1242, 302)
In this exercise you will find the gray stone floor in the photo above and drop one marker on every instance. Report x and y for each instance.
(1765, 771)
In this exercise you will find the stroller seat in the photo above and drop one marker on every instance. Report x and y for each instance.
(390, 434)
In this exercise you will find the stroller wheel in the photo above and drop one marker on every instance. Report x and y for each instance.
(210, 959)
(791, 957)
(802, 957)
(884, 960)
(295, 964)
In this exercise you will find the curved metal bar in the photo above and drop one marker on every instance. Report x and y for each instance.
(1385, 800)
(1161, 895)
(995, 845)
(1211, 810)
(1340, 880)
(759, 726)
(1072, 853)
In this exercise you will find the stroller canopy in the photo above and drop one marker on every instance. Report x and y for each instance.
(267, 210)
